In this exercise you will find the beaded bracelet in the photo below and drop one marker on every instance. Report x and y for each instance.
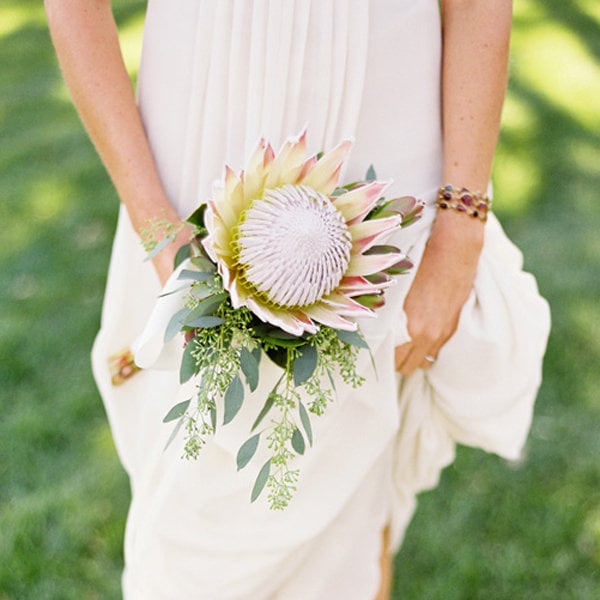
(474, 204)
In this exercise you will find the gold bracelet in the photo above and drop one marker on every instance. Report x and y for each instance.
(463, 200)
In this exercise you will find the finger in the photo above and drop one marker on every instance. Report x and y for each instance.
(428, 361)
(412, 361)
(400, 355)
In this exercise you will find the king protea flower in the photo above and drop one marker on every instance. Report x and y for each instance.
(296, 249)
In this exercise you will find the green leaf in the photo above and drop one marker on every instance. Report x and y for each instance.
(371, 175)
(213, 417)
(206, 322)
(264, 411)
(183, 253)
(194, 275)
(352, 337)
(201, 290)
(197, 217)
(203, 263)
(278, 356)
(382, 249)
(177, 411)
(234, 396)
(174, 432)
(175, 324)
(306, 422)
(160, 246)
(246, 451)
(261, 481)
(205, 307)
(305, 364)
(257, 353)
(188, 364)
(331, 380)
(298, 441)
(183, 287)
(249, 366)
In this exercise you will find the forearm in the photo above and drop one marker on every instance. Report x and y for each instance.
(476, 36)
(86, 41)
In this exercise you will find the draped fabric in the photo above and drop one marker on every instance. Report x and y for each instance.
(215, 76)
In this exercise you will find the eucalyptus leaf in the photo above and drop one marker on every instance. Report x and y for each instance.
(234, 397)
(201, 290)
(160, 246)
(206, 322)
(298, 441)
(283, 343)
(174, 432)
(179, 289)
(213, 417)
(204, 263)
(175, 324)
(205, 307)
(261, 481)
(247, 451)
(305, 422)
(352, 337)
(188, 364)
(371, 175)
(183, 253)
(257, 353)
(176, 411)
(194, 275)
(305, 364)
(278, 356)
(331, 380)
(249, 366)
(264, 411)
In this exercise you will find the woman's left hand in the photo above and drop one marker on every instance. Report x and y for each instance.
(441, 286)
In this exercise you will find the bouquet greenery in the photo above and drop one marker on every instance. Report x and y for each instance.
(282, 262)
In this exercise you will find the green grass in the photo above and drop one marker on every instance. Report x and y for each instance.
(490, 530)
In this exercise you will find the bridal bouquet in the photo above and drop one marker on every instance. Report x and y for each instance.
(282, 262)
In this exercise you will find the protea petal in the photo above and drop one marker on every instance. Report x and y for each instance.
(368, 233)
(323, 314)
(354, 205)
(355, 286)
(309, 326)
(239, 294)
(280, 318)
(234, 191)
(290, 159)
(365, 265)
(346, 307)
(309, 163)
(324, 175)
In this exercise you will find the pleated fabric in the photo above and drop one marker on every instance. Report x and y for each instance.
(215, 76)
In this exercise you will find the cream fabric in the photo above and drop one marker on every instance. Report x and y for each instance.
(215, 76)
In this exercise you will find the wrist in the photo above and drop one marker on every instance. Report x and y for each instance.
(456, 232)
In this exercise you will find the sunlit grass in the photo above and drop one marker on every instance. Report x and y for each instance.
(130, 36)
(15, 16)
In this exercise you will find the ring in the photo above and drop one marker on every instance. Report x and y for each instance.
(429, 358)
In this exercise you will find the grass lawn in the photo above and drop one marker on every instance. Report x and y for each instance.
(491, 530)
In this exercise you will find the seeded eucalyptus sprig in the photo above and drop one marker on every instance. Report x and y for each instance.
(224, 348)
(298, 310)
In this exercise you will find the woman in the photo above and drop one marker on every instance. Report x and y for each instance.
(214, 77)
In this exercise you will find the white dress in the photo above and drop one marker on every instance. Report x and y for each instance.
(215, 76)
